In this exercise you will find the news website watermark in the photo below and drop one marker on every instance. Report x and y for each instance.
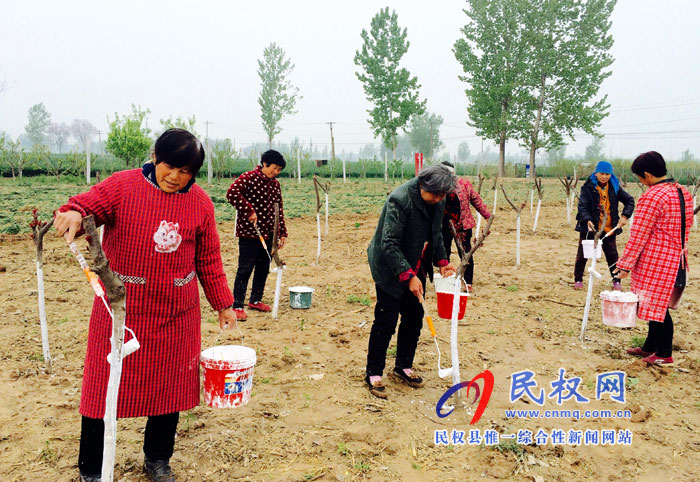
(524, 386)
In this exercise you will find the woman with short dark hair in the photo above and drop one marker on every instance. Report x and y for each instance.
(160, 238)
(407, 241)
(656, 255)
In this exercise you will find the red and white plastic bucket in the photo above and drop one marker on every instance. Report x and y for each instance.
(228, 375)
(619, 308)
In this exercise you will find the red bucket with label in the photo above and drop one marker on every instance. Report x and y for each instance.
(444, 304)
(228, 375)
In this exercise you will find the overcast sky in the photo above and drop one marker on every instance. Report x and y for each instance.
(89, 59)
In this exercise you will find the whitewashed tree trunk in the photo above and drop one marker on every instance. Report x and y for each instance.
(532, 195)
(102, 233)
(478, 225)
(42, 315)
(386, 168)
(326, 214)
(278, 288)
(298, 166)
(517, 242)
(318, 233)
(537, 215)
(344, 180)
(495, 200)
(454, 345)
(87, 163)
(115, 375)
(589, 294)
(568, 210)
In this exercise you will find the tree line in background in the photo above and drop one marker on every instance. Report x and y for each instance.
(533, 70)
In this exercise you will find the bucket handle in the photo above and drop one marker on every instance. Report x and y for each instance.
(216, 342)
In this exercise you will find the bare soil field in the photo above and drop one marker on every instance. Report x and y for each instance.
(311, 418)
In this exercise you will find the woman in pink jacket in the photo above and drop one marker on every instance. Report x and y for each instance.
(656, 252)
(458, 211)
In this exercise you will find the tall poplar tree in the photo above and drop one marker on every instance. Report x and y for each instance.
(38, 123)
(278, 96)
(492, 53)
(387, 85)
(568, 57)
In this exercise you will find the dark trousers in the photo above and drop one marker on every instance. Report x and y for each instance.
(466, 244)
(660, 337)
(159, 441)
(386, 316)
(251, 256)
(610, 251)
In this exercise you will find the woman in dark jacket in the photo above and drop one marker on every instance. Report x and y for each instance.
(408, 238)
(601, 190)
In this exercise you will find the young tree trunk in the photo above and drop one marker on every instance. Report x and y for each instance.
(502, 155)
(326, 234)
(532, 195)
(278, 262)
(536, 128)
(87, 163)
(39, 231)
(537, 215)
(517, 241)
(593, 274)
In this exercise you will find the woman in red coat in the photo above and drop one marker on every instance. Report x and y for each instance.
(160, 238)
(654, 253)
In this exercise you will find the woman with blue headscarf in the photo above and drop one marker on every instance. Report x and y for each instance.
(600, 194)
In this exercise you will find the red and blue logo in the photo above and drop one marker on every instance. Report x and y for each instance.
(482, 396)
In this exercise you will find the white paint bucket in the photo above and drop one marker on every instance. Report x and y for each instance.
(228, 375)
(588, 249)
(300, 297)
(619, 308)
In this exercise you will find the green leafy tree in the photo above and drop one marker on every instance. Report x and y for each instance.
(223, 152)
(493, 56)
(463, 151)
(12, 153)
(58, 165)
(38, 123)
(278, 97)
(187, 123)
(595, 150)
(555, 154)
(425, 134)
(687, 156)
(568, 56)
(387, 85)
(128, 139)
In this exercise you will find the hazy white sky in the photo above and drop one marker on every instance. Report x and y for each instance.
(90, 59)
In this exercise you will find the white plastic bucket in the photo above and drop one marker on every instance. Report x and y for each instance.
(619, 308)
(228, 375)
(444, 285)
(588, 249)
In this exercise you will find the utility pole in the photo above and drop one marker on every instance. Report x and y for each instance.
(330, 124)
(209, 166)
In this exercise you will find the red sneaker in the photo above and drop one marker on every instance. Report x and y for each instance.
(637, 351)
(260, 306)
(240, 314)
(657, 360)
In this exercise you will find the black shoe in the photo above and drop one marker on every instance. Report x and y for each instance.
(90, 478)
(158, 470)
(412, 381)
(377, 388)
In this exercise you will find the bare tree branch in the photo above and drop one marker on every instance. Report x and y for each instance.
(479, 241)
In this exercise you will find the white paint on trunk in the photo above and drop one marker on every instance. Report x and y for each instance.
(318, 233)
(454, 345)
(115, 375)
(537, 215)
(695, 216)
(568, 210)
(326, 214)
(87, 163)
(478, 225)
(42, 315)
(517, 242)
(344, 180)
(589, 295)
(495, 200)
(102, 233)
(278, 288)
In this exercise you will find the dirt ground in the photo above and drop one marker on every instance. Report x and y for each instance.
(310, 417)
